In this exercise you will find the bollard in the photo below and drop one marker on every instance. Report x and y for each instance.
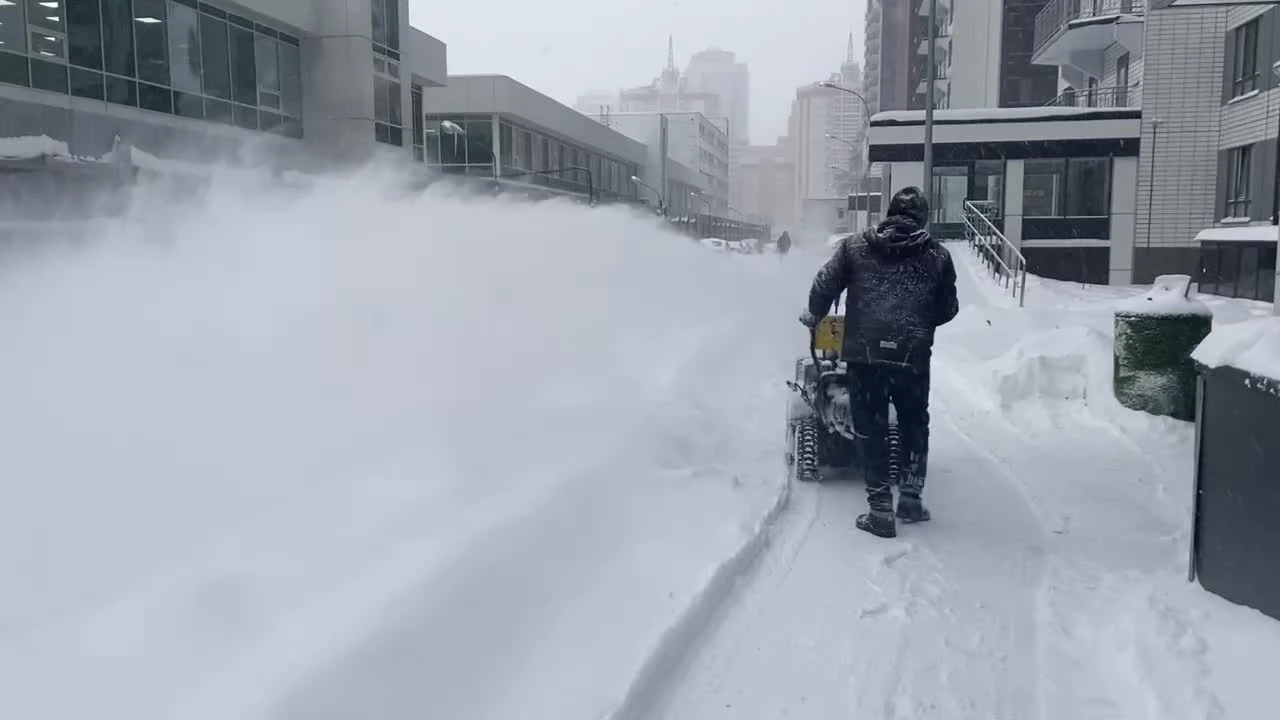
(1155, 334)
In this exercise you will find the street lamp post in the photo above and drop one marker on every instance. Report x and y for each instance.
(866, 106)
(930, 80)
(662, 204)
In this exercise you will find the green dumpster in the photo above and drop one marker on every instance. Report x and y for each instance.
(1155, 334)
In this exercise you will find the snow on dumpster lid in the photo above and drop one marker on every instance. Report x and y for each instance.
(1169, 295)
(1252, 346)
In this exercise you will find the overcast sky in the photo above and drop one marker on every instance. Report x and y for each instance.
(567, 47)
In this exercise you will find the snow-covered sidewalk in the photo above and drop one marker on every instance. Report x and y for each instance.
(1050, 585)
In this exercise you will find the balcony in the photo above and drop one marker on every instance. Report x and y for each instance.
(1099, 97)
(1077, 33)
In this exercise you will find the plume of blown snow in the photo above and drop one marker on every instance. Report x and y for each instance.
(192, 368)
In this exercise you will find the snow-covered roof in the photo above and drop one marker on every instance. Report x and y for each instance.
(1238, 233)
(1021, 114)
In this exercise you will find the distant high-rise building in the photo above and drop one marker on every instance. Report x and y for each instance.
(718, 73)
(763, 184)
(982, 55)
(668, 93)
(847, 124)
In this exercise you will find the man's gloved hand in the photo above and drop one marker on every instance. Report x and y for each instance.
(808, 320)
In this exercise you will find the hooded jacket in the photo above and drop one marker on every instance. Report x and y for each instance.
(900, 285)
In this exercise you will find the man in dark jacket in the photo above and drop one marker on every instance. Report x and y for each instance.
(901, 286)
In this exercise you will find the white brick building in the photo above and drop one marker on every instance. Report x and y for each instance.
(1211, 112)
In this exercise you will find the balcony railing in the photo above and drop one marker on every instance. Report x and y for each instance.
(1100, 97)
(1054, 18)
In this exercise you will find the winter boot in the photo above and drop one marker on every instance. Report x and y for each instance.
(879, 523)
(911, 509)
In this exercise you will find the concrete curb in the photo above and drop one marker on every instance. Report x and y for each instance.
(651, 685)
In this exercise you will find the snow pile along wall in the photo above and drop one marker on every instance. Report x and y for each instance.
(1154, 336)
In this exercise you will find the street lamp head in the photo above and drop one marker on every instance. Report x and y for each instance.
(827, 84)
(450, 126)
(635, 179)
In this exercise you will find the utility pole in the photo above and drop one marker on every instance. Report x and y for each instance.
(930, 80)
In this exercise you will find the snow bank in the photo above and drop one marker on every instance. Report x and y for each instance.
(1050, 366)
(263, 458)
(1251, 345)
(1170, 295)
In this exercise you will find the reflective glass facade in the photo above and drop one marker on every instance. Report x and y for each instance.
(464, 144)
(180, 57)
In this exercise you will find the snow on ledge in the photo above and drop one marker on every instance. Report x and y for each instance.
(31, 147)
(1239, 233)
(1252, 346)
(993, 114)
(1170, 295)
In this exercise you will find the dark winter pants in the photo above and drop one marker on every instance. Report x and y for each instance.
(871, 389)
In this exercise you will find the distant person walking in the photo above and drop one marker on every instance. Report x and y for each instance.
(784, 243)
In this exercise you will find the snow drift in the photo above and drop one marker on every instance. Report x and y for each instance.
(287, 453)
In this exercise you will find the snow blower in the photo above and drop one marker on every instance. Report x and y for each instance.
(820, 428)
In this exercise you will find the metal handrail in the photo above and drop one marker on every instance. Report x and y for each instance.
(1112, 96)
(1002, 258)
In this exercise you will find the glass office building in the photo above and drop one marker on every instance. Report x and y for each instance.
(179, 57)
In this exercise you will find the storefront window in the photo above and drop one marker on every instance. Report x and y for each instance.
(1066, 187)
(988, 181)
(1267, 274)
(1043, 188)
(1247, 281)
(950, 188)
(1209, 268)
(479, 140)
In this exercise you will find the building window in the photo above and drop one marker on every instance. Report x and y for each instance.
(1066, 187)
(387, 111)
(152, 41)
(1088, 187)
(84, 35)
(1239, 170)
(415, 105)
(1244, 76)
(215, 58)
(1122, 81)
(385, 15)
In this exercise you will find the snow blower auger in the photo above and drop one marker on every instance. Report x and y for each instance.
(820, 428)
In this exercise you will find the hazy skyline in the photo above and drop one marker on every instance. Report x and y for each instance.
(565, 48)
